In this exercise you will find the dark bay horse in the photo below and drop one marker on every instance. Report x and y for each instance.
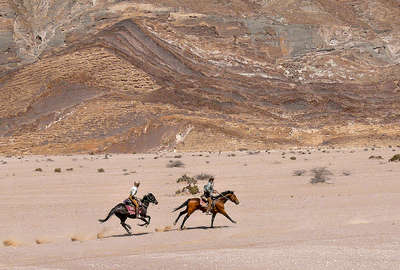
(122, 213)
(193, 204)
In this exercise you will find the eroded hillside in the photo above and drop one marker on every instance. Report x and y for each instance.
(133, 76)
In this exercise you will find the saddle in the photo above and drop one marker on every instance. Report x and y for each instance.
(204, 203)
(131, 208)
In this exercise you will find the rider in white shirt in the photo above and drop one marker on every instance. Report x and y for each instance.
(132, 196)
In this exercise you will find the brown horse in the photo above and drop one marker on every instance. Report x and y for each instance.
(193, 204)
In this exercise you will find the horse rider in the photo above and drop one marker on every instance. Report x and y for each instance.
(207, 195)
(133, 198)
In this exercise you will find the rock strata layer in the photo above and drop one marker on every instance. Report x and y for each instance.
(137, 76)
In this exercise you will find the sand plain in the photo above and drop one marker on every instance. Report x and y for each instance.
(48, 220)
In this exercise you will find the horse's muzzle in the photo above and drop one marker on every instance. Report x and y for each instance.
(155, 202)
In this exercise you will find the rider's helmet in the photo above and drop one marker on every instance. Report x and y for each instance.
(136, 184)
(211, 179)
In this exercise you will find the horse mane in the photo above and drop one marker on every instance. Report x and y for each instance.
(224, 193)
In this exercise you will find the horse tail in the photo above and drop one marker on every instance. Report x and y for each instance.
(182, 205)
(112, 211)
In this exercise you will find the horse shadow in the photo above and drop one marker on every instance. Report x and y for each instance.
(126, 235)
(206, 227)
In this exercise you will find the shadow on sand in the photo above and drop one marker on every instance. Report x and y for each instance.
(197, 228)
(126, 235)
(205, 228)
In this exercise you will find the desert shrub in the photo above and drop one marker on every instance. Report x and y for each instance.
(203, 176)
(320, 175)
(193, 189)
(242, 149)
(100, 170)
(178, 156)
(176, 163)
(187, 179)
(38, 170)
(231, 155)
(293, 158)
(189, 189)
(299, 172)
(57, 170)
(253, 152)
(375, 157)
(395, 158)
(346, 173)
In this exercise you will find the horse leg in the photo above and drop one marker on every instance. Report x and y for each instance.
(148, 222)
(180, 214)
(222, 211)
(123, 224)
(186, 217)
(212, 219)
(144, 220)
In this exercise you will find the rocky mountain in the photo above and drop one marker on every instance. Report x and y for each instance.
(136, 76)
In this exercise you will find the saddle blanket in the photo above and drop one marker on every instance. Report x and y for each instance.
(131, 209)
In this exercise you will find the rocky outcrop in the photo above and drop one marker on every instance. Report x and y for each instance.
(131, 76)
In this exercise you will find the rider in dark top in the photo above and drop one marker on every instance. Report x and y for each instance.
(207, 195)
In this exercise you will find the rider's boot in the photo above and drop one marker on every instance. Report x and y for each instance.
(209, 206)
(136, 208)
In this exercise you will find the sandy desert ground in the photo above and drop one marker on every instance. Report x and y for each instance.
(283, 221)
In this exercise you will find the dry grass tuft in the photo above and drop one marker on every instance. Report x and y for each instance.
(175, 164)
(42, 241)
(165, 229)
(10, 243)
(203, 176)
(321, 175)
(76, 238)
(299, 172)
(375, 157)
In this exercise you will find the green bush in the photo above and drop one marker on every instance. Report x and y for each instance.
(395, 158)
(187, 179)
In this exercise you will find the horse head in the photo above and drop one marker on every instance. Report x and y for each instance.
(231, 196)
(150, 198)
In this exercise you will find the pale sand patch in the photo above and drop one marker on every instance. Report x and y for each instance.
(359, 221)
